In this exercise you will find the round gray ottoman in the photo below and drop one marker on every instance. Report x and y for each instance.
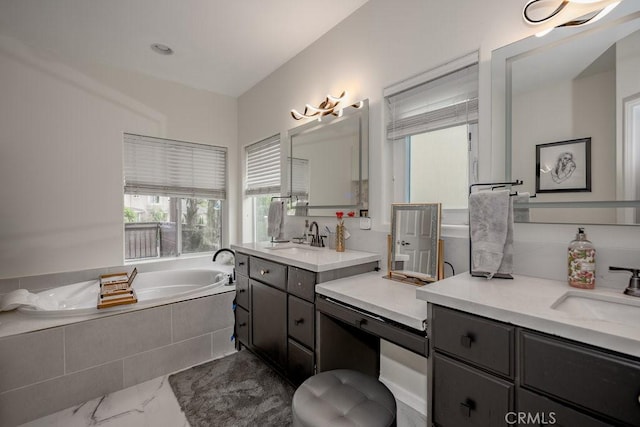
(343, 398)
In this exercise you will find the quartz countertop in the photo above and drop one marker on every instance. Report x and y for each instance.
(305, 256)
(373, 293)
(526, 301)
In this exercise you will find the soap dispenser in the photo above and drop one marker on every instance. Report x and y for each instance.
(582, 262)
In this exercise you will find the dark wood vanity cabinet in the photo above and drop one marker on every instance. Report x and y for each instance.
(275, 314)
(489, 373)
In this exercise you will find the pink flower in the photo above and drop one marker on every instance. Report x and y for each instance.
(351, 214)
(339, 214)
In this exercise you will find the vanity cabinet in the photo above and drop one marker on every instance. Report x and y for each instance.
(489, 373)
(275, 314)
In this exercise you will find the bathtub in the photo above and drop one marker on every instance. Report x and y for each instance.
(152, 288)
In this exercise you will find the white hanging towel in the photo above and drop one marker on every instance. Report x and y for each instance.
(491, 228)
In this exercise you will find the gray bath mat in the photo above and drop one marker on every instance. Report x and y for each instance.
(237, 390)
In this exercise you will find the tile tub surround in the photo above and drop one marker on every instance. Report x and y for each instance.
(310, 258)
(95, 357)
(526, 302)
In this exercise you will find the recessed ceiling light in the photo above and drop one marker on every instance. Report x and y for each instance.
(162, 49)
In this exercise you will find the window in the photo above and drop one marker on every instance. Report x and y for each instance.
(262, 183)
(433, 128)
(173, 197)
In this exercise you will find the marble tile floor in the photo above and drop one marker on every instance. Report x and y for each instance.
(150, 404)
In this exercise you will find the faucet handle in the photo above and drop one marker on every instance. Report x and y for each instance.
(634, 271)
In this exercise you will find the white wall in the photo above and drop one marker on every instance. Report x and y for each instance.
(61, 154)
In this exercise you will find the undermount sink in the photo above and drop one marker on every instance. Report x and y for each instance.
(614, 308)
(292, 248)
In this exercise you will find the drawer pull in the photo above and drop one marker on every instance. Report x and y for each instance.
(241, 263)
(299, 283)
(466, 407)
(298, 321)
(361, 322)
(263, 272)
(466, 340)
(242, 324)
(241, 290)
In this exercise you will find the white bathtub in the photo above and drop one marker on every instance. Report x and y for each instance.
(153, 288)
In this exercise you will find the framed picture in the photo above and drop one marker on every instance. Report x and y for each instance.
(563, 167)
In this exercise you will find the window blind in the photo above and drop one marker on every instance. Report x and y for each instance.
(299, 177)
(263, 167)
(445, 101)
(165, 167)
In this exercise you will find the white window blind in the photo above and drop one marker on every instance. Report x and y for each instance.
(165, 167)
(299, 177)
(263, 167)
(441, 102)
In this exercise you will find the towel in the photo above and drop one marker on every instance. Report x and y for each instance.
(521, 214)
(491, 230)
(274, 219)
(22, 297)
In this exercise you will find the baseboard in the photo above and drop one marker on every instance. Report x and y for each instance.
(413, 401)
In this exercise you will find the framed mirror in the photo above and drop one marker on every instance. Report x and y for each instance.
(329, 164)
(573, 84)
(415, 248)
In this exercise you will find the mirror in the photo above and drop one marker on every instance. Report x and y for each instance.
(329, 164)
(415, 241)
(570, 85)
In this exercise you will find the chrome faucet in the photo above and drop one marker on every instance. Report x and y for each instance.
(634, 283)
(316, 239)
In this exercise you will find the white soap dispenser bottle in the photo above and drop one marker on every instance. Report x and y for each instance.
(582, 262)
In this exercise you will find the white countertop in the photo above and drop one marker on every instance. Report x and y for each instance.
(387, 298)
(526, 301)
(305, 256)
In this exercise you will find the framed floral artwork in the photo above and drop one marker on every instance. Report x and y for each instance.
(563, 167)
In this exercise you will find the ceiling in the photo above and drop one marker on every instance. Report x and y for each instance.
(225, 46)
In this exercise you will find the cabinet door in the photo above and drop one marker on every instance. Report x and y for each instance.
(464, 396)
(269, 322)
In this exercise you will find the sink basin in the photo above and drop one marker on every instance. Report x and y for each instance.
(292, 248)
(614, 308)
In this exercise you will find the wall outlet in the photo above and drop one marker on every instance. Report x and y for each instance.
(365, 223)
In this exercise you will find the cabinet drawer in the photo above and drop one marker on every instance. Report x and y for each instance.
(591, 379)
(487, 343)
(242, 291)
(300, 362)
(465, 396)
(301, 321)
(376, 326)
(242, 325)
(545, 411)
(301, 283)
(242, 264)
(268, 272)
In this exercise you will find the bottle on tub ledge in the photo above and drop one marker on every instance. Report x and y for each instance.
(582, 262)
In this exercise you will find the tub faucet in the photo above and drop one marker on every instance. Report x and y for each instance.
(232, 276)
(316, 239)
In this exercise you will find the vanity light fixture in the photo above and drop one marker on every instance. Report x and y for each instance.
(330, 105)
(595, 15)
